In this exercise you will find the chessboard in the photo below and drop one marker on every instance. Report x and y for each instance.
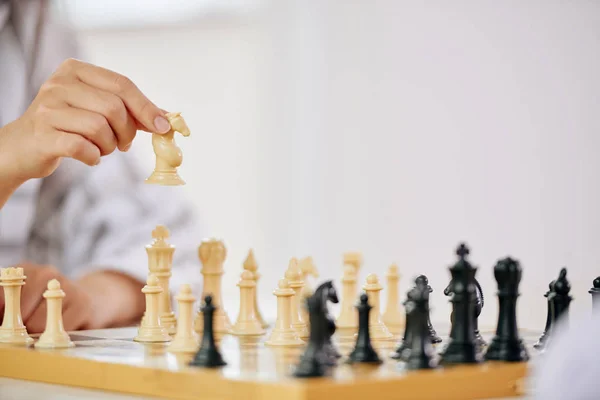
(110, 360)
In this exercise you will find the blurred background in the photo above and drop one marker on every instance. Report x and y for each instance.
(394, 128)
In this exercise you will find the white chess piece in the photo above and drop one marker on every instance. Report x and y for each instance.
(283, 334)
(13, 331)
(393, 318)
(347, 321)
(151, 330)
(377, 328)
(251, 265)
(160, 262)
(186, 340)
(54, 336)
(294, 278)
(247, 323)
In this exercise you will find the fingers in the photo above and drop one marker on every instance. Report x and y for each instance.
(106, 104)
(88, 124)
(36, 322)
(141, 108)
(74, 318)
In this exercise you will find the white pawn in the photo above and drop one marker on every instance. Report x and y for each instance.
(251, 265)
(294, 278)
(151, 330)
(54, 335)
(377, 328)
(247, 323)
(186, 340)
(283, 334)
(393, 318)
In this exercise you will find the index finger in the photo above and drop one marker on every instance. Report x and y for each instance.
(151, 117)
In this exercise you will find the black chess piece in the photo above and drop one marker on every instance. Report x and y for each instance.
(422, 280)
(316, 359)
(421, 355)
(549, 316)
(403, 350)
(595, 292)
(462, 348)
(208, 355)
(327, 291)
(561, 298)
(478, 308)
(363, 351)
(506, 344)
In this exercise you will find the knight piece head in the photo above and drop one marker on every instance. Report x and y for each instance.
(178, 123)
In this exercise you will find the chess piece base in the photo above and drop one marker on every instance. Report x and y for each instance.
(169, 321)
(152, 335)
(460, 353)
(248, 328)
(59, 341)
(208, 358)
(301, 330)
(189, 344)
(169, 178)
(506, 350)
(18, 336)
(287, 338)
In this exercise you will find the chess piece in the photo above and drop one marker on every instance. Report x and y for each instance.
(393, 317)
(378, 329)
(151, 329)
(308, 269)
(208, 354)
(363, 351)
(13, 331)
(314, 361)
(251, 265)
(186, 340)
(283, 334)
(478, 308)
(347, 321)
(421, 351)
(506, 344)
(550, 312)
(424, 281)
(403, 350)
(247, 323)
(212, 253)
(168, 155)
(595, 292)
(160, 262)
(327, 293)
(355, 260)
(294, 278)
(54, 336)
(462, 348)
(561, 298)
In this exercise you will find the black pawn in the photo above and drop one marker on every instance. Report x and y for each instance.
(403, 350)
(314, 361)
(595, 292)
(421, 351)
(507, 345)
(422, 280)
(208, 355)
(549, 316)
(462, 348)
(561, 298)
(363, 351)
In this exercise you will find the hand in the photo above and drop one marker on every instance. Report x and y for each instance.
(93, 302)
(81, 112)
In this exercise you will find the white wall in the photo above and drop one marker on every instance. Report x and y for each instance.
(394, 128)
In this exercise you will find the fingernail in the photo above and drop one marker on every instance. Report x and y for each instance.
(98, 162)
(126, 148)
(161, 124)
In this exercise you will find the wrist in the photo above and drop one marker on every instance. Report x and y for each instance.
(10, 173)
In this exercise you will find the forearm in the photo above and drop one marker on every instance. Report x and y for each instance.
(8, 185)
(117, 299)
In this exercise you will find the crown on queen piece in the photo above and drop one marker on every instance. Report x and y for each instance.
(12, 273)
(160, 234)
